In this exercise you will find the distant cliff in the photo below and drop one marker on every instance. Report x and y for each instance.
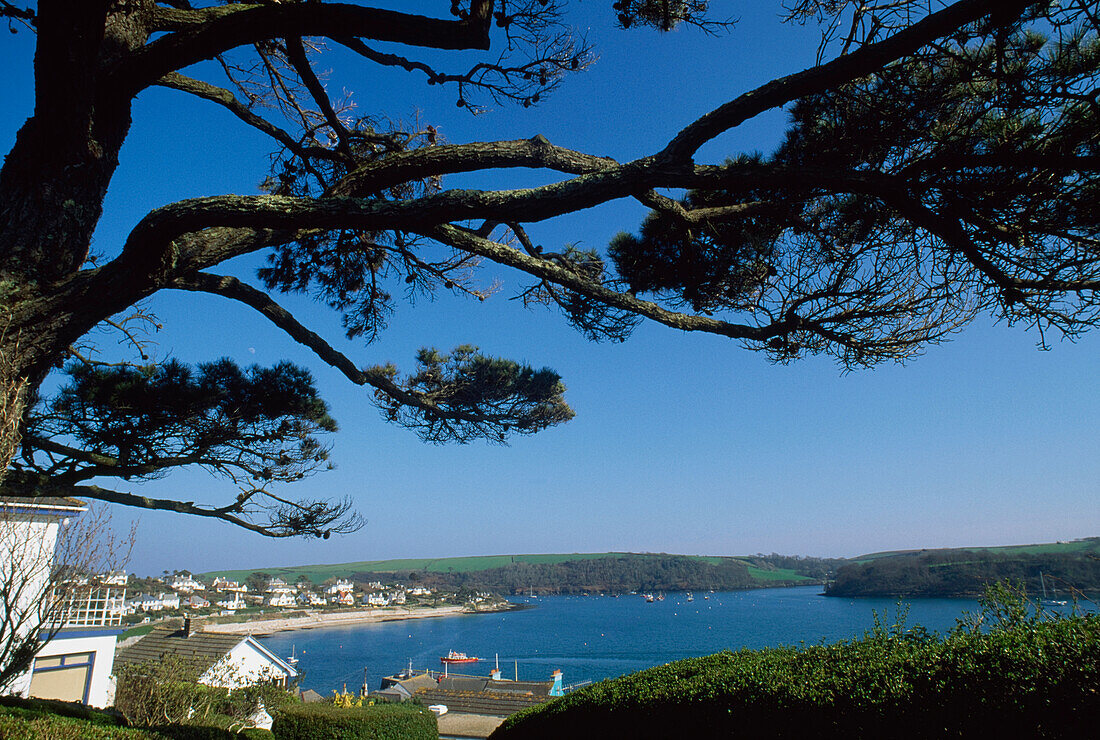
(966, 572)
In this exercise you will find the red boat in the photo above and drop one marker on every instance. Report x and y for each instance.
(453, 657)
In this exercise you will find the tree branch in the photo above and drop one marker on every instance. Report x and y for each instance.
(227, 100)
(505, 255)
(204, 33)
(859, 63)
(234, 289)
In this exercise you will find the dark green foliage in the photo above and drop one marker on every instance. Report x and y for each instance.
(140, 417)
(17, 726)
(717, 263)
(900, 204)
(965, 573)
(193, 732)
(1005, 673)
(47, 719)
(251, 427)
(15, 705)
(664, 15)
(623, 573)
(471, 395)
(379, 722)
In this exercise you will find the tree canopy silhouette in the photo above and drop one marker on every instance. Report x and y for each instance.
(940, 164)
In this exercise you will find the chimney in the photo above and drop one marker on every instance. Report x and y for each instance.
(557, 689)
(187, 626)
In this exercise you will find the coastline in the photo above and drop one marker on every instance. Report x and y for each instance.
(318, 620)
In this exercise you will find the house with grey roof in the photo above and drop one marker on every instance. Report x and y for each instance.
(475, 705)
(223, 660)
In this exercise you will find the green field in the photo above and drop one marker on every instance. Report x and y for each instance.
(322, 572)
(1050, 548)
(779, 574)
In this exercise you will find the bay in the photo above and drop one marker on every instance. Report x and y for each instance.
(596, 637)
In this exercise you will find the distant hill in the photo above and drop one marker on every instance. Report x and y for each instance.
(1066, 566)
(569, 573)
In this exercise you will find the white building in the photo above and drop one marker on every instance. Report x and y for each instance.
(224, 584)
(160, 602)
(281, 599)
(185, 583)
(378, 599)
(72, 666)
(340, 587)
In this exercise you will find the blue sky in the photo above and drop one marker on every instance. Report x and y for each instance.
(682, 443)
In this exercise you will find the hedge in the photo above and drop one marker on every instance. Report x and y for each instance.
(46, 727)
(15, 705)
(1027, 676)
(379, 722)
(46, 719)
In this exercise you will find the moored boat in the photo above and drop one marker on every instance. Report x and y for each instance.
(456, 657)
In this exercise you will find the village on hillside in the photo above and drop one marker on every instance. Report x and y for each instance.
(116, 599)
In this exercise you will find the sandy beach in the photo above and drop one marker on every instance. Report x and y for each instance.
(333, 619)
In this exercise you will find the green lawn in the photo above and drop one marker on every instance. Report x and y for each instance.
(779, 574)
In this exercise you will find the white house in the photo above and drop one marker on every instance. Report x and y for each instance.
(224, 584)
(279, 586)
(379, 599)
(281, 599)
(226, 660)
(344, 598)
(149, 603)
(340, 587)
(185, 583)
(72, 666)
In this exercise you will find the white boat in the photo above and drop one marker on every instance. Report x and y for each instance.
(1049, 602)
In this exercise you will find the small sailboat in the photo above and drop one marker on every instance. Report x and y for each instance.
(293, 659)
(690, 596)
(1049, 602)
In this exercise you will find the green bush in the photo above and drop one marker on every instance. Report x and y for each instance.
(15, 705)
(47, 719)
(167, 691)
(24, 725)
(1009, 672)
(380, 722)
(194, 732)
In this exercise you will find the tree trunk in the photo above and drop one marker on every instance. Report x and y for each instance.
(52, 187)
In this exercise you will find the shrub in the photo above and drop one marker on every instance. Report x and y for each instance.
(23, 725)
(1012, 671)
(20, 706)
(166, 692)
(193, 732)
(380, 722)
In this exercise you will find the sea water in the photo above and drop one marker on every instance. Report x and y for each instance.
(590, 638)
